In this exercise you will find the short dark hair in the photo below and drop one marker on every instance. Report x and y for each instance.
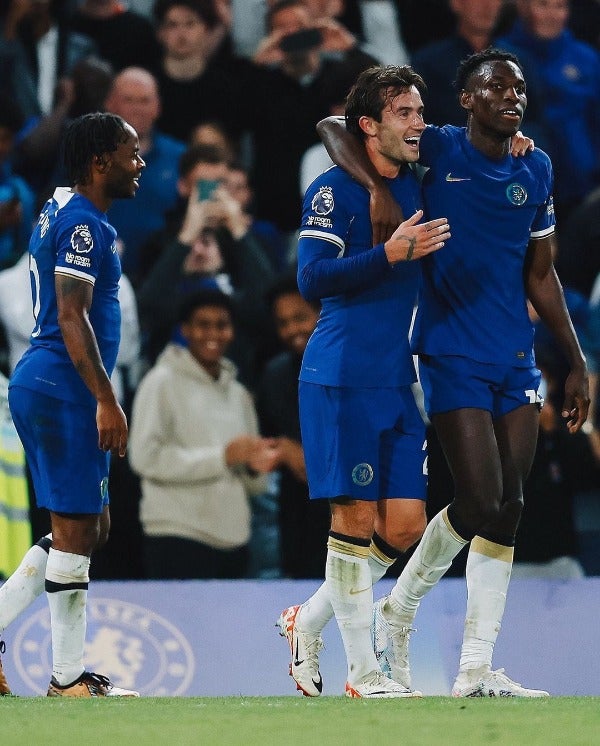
(91, 136)
(373, 89)
(469, 66)
(203, 8)
(285, 284)
(202, 298)
(196, 154)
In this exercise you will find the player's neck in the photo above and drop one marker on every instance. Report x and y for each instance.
(95, 196)
(490, 144)
(383, 165)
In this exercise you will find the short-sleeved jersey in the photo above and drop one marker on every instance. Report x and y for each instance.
(361, 337)
(72, 237)
(473, 301)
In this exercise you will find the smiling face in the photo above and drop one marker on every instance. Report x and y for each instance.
(208, 332)
(295, 320)
(124, 168)
(395, 139)
(496, 98)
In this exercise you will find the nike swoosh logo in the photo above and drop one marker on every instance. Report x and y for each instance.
(296, 661)
(354, 591)
(449, 177)
(318, 684)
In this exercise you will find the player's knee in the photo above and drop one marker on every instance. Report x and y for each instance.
(403, 537)
(511, 513)
(482, 511)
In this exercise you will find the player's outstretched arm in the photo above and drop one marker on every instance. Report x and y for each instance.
(345, 150)
(545, 293)
(74, 300)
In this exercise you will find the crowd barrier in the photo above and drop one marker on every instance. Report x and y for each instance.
(214, 638)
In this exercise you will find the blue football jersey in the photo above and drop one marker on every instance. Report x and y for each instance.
(473, 301)
(72, 237)
(361, 337)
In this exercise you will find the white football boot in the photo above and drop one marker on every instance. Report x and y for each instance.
(304, 649)
(487, 683)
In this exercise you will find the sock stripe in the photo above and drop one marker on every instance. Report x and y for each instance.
(348, 546)
(45, 543)
(382, 551)
(52, 587)
(451, 528)
(492, 549)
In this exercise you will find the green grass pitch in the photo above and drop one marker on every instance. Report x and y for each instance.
(296, 721)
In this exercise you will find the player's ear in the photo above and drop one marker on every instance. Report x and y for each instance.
(368, 125)
(465, 99)
(101, 163)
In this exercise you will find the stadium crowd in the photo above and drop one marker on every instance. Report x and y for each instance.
(225, 96)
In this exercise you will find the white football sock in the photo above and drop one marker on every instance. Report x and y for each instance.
(317, 610)
(348, 579)
(489, 566)
(433, 556)
(67, 578)
(24, 585)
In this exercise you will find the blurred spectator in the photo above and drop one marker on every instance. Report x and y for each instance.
(565, 74)
(321, 36)
(16, 198)
(52, 49)
(303, 523)
(578, 262)
(194, 442)
(437, 62)
(134, 96)
(266, 233)
(84, 90)
(372, 24)
(213, 135)
(195, 84)
(123, 38)
(208, 244)
(288, 87)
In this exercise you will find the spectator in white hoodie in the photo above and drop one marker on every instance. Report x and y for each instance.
(194, 442)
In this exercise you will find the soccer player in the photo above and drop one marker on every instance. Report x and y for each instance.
(362, 433)
(475, 346)
(60, 395)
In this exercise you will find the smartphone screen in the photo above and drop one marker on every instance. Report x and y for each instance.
(205, 188)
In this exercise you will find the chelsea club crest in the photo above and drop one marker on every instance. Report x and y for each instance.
(322, 202)
(517, 195)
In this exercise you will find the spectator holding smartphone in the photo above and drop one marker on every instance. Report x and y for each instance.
(207, 244)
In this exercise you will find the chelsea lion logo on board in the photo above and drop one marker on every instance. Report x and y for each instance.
(322, 202)
(81, 239)
(362, 474)
(517, 194)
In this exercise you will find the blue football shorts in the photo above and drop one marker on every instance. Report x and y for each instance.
(452, 382)
(60, 438)
(365, 444)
